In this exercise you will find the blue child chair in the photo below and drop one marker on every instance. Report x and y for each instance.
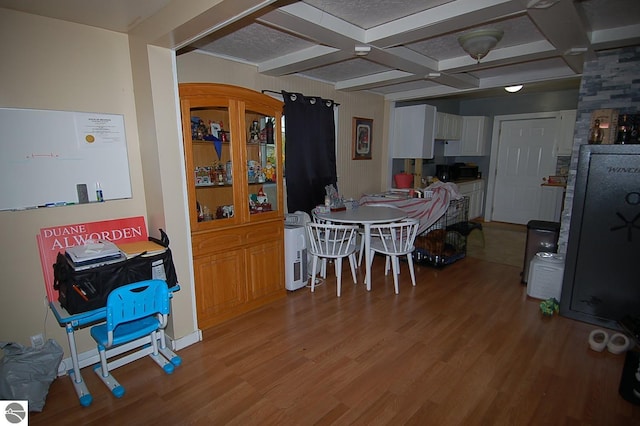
(135, 312)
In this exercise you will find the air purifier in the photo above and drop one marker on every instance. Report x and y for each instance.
(545, 276)
(295, 255)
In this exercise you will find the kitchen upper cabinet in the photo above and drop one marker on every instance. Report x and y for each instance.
(474, 140)
(565, 135)
(448, 126)
(413, 131)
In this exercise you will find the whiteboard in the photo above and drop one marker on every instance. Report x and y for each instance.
(45, 155)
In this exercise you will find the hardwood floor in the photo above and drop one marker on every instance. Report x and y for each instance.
(499, 242)
(464, 347)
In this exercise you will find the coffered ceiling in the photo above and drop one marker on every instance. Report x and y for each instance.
(412, 49)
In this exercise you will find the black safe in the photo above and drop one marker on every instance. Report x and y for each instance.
(602, 271)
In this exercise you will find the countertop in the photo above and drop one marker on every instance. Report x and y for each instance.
(467, 180)
(458, 181)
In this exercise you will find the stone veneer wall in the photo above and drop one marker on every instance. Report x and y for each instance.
(610, 81)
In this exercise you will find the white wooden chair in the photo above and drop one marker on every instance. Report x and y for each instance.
(361, 232)
(332, 241)
(319, 219)
(395, 240)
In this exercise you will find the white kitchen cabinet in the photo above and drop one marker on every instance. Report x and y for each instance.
(475, 191)
(551, 201)
(474, 140)
(448, 126)
(414, 131)
(565, 135)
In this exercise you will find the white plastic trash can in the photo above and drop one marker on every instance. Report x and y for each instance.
(545, 276)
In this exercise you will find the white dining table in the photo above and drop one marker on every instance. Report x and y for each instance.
(366, 216)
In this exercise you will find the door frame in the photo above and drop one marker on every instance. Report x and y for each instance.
(495, 142)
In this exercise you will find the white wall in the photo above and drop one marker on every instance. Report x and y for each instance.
(50, 64)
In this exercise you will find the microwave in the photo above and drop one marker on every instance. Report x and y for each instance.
(463, 171)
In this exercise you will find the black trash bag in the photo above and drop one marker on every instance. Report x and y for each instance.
(26, 373)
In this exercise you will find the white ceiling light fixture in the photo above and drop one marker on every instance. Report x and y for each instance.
(513, 89)
(478, 43)
(362, 50)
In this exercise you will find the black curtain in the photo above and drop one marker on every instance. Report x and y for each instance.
(310, 150)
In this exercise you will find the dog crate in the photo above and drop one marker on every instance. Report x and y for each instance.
(444, 242)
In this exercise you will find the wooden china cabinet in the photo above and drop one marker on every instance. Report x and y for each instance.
(233, 155)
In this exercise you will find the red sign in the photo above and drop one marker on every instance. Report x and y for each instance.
(55, 239)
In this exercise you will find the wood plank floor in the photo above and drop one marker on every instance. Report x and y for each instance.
(464, 347)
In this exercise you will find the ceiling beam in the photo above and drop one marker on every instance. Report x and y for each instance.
(562, 25)
(456, 81)
(528, 77)
(336, 39)
(374, 80)
(450, 17)
(195, 21)
(302, 60)
(313, 24)
(615, 37)
(500, 57)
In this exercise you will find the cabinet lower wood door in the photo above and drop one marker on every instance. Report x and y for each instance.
(220, 291)
(237, 270)
(261, 258)
(475, 191)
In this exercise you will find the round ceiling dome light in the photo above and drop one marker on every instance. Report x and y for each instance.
(513, 89)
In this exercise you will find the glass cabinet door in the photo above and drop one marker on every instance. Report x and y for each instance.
(262, 162)
(212, 163)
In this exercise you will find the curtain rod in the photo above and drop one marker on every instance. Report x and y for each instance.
(280, 93)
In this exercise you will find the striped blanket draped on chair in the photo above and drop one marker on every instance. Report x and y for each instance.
(426, 210)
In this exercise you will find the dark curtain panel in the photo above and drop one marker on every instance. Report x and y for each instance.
(310, 153)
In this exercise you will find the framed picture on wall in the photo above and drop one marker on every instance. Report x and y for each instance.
(362, 138)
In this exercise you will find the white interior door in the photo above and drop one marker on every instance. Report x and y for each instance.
(526, 154)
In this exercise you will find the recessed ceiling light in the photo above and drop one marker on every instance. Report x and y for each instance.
(513, 89)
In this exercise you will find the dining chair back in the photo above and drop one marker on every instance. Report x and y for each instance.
(361, 230)
(335, 242)
(395, 240)
(318, 219)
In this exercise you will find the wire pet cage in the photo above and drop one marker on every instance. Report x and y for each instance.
(444, 242)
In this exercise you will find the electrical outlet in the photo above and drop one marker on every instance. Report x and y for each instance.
(37, 341)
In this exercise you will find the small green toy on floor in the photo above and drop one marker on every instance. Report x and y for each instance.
(550, 307)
